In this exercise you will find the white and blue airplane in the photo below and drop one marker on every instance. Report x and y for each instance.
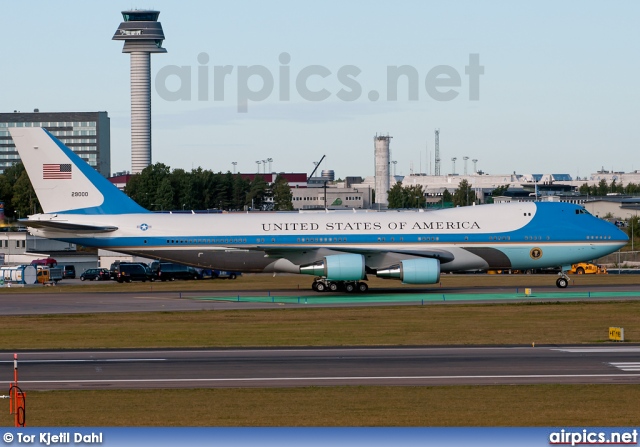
(339, 248)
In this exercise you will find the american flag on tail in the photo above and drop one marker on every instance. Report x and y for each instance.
(56, 171)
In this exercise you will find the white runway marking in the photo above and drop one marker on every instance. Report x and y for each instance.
(299, 379)
(604, 349)
(627, 366)
(85, 360)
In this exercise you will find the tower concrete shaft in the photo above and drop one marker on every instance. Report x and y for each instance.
(381, 148)
(140, 111)
(142, 35)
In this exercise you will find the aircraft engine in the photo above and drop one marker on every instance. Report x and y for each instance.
(346, 267)
(413, 271)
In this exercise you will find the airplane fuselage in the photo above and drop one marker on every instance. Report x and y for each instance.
(526, 235)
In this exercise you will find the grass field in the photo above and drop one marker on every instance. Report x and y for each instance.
(529, 405)
(462, 324)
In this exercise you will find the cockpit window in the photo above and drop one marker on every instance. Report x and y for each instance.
(582, 211)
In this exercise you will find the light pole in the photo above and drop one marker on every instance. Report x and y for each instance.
(258, 163)
(270, 160)
(264, 166)
(234, 163)
(394, 162)
(454, 165)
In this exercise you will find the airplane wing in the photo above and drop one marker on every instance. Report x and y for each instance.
(308, 255)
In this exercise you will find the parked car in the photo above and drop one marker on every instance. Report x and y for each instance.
(95, 274)
(168, 271)
(68, 272)
(133, 272)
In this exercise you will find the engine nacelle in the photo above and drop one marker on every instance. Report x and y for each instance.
(413, 271)
(346, 267)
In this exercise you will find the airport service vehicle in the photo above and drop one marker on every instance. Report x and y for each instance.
(69, 271)
(339, 249)
(48, 274)
(585, 268)
(223, 274)
(95, 275)
(21, 274)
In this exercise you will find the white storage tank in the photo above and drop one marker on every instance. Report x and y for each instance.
(21, 274)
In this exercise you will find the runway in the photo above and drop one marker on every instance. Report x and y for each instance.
(408, 366)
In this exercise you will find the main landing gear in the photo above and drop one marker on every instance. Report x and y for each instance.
(563, 281)
(323, 285)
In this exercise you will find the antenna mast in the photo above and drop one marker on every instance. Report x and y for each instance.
(437, 152)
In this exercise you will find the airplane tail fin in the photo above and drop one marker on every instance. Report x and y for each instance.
(64, 183)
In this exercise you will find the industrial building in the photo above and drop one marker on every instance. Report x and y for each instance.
(20, 248)
(88, 134)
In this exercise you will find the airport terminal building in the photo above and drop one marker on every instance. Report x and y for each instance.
(88, 134)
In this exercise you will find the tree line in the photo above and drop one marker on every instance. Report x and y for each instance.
(17, 193)
(603, 188)
(414, 196)
(159, 188)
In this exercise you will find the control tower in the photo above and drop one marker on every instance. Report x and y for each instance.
(142, 35)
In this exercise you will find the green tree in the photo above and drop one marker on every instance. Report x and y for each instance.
(446, 197)
(395, 196)
(414, 196)
(182, 182)
(7, 182)
(584, 189)
(631, 188)
(257, 193)
(143, 187)
(165, 195)
(464, 195)
(24, 200)
(240, 192)
(603, 188)
(282, 195)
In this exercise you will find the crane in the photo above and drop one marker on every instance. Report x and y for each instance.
(316, 168)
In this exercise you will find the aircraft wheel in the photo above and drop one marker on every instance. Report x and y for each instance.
(349, 287)
(320, 287)
(562, 283)
(362, 287)
(333, 286)
(314, 286)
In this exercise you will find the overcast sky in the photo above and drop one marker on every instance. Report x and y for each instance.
(556, 83)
